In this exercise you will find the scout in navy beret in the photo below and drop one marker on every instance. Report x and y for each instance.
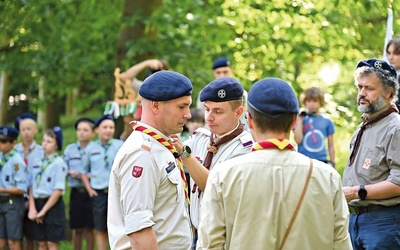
(22, 117)
(273, 97)
(83, 119)
(378, 64)
(221, 90)
(165, 85)
(8, 133)
(102, 118)
(221, 62)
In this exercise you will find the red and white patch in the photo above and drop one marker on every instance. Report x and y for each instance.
(137, 171)
(367, 163)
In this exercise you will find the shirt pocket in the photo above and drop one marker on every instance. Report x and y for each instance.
(372, 168)
(176, 188)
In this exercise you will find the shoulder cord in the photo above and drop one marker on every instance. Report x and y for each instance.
(298, 205)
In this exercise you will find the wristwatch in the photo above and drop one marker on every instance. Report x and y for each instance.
(186, 151)
(362, 192)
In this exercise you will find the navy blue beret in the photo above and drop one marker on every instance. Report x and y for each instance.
(83, 119)
(59, 136)
(165, 85)
(273, 97)
(221, 90)
(221, 62)
(102, 118)
(378, 64)
(9, 132)
(22, 117)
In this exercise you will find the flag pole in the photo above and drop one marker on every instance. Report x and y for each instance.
(389, 29)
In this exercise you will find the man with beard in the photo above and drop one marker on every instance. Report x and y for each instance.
(372, 174)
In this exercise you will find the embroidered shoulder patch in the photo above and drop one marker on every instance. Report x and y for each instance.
(171, 166)
(249, 143)
(137, 171)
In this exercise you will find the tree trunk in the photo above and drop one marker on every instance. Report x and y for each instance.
(41, 119)
(132, 33)
(4, 82)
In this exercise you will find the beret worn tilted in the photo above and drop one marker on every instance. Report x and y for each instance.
(83, 119)
(221, 62)
(165, 85)
(273, 97)
(378, 64)
(8, 132)
(22, 117)
(59, 136)
(221, 90)
(102, 118)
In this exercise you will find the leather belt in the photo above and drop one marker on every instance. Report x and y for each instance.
(10, 197)
(102, 190)
(370, 208)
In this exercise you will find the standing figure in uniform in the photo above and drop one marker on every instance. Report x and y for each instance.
(13, 185)
(31, 152)
(46, 205)
(371, 178)
(273, 197)
(148, 189)
(80, 203)
(224, 139)
(96, 173)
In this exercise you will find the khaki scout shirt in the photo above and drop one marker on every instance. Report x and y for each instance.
(377, 158)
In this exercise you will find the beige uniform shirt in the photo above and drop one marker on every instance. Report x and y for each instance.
(199, 142)
(249, 202)
(377, 158)
(146, 190)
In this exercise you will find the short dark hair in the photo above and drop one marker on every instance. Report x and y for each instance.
(396, 43)
(281, 123)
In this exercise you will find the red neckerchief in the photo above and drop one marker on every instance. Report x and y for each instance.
(273, 143)
(171, 148)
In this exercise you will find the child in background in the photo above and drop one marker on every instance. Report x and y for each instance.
(101, 156)
(80, 203)
(46, 206)
(313, 128)
(13, 184)
(31, 152)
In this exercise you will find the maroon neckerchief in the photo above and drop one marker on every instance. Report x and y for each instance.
(362, 129)
(213, 148)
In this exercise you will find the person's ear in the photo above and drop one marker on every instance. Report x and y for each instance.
(294, 121)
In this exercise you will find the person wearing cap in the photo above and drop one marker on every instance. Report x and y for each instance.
(371, 178)
(80, 203)
(224, 139)
(31, 152)
(46, 205)
(148, 190)
(96, 173)
(13, 185)
(257, 199)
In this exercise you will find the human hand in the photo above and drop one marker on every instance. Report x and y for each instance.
(92, 193)
(155, 64)
(176, 141)
(32, 214)
(74, 174)
(350, 193)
